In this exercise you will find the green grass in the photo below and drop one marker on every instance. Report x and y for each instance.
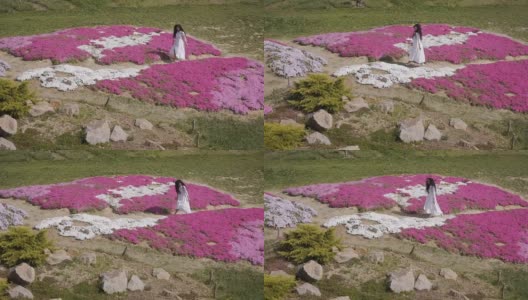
(234, 284)
(506, 169)
(48, 288)
(515, 282)
(239, 173)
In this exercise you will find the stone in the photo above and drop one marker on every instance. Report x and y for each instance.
(135, 284)
(19, 292)
(8, 125)
(88, 258)
(401, 280)
(308, 290)
(22, 274)
(289, 122)
(346, 255)
(114, 281)
(432, 133)
(412, 130)
(159, 273)
(457, 295)
(357, 104)
(458, 123)
(70, 109)
(321, 120)
(448, 274)
(344, 98)
(310, 271)
(341, 298)
(386, 106)
(6, 145)
(29, 102)
(118, 134)
(376, 257)
(279, 273)
(55, 103)
(58, 257)
(41, 108)
(422, 283)
(143, 124)
(97, 132)
(317, 138)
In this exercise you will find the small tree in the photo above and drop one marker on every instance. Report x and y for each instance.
(282, 137)
(318, 91)
(13, 98)
(277, 287)
(21, 244)
(309, 242)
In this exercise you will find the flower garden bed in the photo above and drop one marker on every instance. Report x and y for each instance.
(129, 193)
(282, 213)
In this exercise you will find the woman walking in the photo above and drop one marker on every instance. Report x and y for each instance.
(182, 203)
(180, 42)
(416, 52)
(431, 206)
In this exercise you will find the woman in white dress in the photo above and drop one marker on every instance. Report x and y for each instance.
(416, 52)
(180, 42)
(431, 206)
(183, 197)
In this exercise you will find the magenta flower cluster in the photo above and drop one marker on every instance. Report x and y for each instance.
(82, 195)
(498, 85)
(63, 45)
(497, 234)
(230, 235)
(211, 84)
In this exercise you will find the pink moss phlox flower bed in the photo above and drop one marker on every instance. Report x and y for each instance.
(498, 85)
(128, 193)
(63, 45)
(211, 84)
(497, 234)
(230, 235)
(379, 42)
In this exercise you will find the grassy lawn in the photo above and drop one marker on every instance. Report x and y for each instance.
(239, 173)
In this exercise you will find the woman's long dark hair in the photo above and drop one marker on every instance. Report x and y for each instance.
(429, 182)
(177, 28)
(418, 28)
(179, 184)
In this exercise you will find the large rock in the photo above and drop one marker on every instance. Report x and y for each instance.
(6, 145)
(386, 106)
(458, 123)
(22, 274)
(310, 271)
(70, 109)
(8, 125)
(88, 258)
(97, 132)
(308, 290)
(432, 133)
(422, 283)
(58, 257)
(114, 281)
(317, 138)
(159, 273)
(401, 281)
(19, 292)
(118, 134)
(320, 120)
(448, 274)
(376, 257)
(143, 124)
(346, 255)
(412, 130)
(356, 104)
(41, 108)
(135, 284)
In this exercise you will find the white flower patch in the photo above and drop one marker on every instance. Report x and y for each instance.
(96, 47)
(287, 61)
(96, 225)
(429, 41)
(385, 223)
(79, 76)
(114, 196)
(403, 195)
(384, 75)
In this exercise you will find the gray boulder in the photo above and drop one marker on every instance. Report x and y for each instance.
(376, 257)
(118, 134)
(432, 133)
(317, 138)
(356, 105)
(412, 130)
(41, 108)
(346, 255)
(135, 284)
(320, 120)
(70, 109)
(58, 257)
(143, 124)
(458, 123)
(401, 281)
(448, 274)
(386, 106)
(88, 258)
(97, 132)
(159, 273)
(22, 274)
(8, 125)
(308, 290)
(310, 271)
(6, 145)
(19, 292)
(422, 283)
(114, 281)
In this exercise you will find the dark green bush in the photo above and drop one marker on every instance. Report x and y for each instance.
(13, 98)
(277, 287)
(282, 137)
(21, 244)
(318, 91)
(309, 242)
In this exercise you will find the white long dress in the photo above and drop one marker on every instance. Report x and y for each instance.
(416, 52)
(431, 205)
(178, 48)
(183, 201)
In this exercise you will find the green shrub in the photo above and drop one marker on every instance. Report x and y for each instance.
(309, 242)
(277, 287)
(318, 91)
(3, 287)
(282, 137)
(21, 244)
(13, 98)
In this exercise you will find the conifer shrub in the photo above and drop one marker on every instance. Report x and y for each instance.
(277, 287)
(318, 91)
(282, 137)
(21, 244)
(13, 98)
(309, 242)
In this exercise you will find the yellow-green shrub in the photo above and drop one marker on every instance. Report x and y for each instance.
(21, 244)
(277, 287)
(282, 137)
(13, 98)
(318, 91)
(309, 242)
